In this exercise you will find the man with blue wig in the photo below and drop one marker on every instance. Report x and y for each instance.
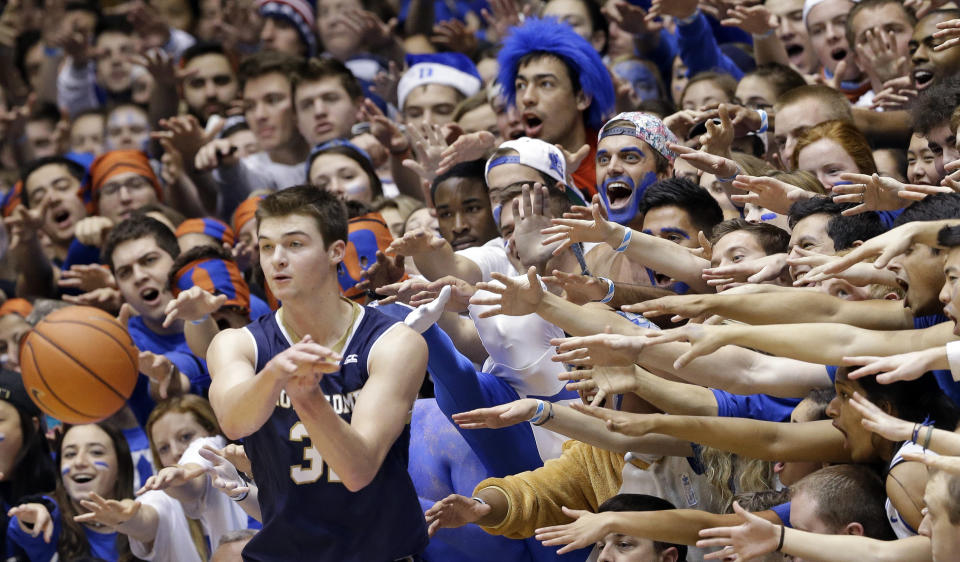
(560, 87)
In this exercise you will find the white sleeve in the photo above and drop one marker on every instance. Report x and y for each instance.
(216, 511)
(953, 357)
(172, 542)
(489, 258)
(75, 87)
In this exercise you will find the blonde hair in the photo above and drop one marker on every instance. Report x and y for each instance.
(730, 473)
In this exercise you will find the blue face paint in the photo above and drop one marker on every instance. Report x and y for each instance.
(100, 465)
(628, 212)
(768, 216)
(64, 470)
(2, 437)
(496, 214)
(675, 231)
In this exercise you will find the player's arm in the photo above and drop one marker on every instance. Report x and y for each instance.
(355, 451)
(800, 307)
(242, 399)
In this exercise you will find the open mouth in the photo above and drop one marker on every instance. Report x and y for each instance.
(532, 124)
(838, 54)
(903, 284)
(82, 478)
(61, 217)
(922, 78)
(618, 193)
(794, 50)
(149, 295)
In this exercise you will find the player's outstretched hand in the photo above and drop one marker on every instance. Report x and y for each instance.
(172, 477)
(454, 511)
(496, 417)
(34, 519)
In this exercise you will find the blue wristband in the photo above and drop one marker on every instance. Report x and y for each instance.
(609, 296)
(536, 417)
(764, 122)
(626, 240)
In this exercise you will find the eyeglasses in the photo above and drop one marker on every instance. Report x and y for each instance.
(132, 183)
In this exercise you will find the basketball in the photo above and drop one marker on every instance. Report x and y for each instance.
(79, 364)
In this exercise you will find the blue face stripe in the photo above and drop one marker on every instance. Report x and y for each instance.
(679, 231)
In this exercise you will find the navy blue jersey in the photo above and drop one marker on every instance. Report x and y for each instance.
(307, 513)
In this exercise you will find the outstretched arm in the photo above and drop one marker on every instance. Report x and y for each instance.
(815, 441)
(772, 308)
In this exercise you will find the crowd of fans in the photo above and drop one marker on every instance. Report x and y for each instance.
(685, 269)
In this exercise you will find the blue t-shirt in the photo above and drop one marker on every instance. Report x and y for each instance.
(783, 511)
(754, 406)
(142, 457)
(172, 346)
(102, 545)
(944, 378)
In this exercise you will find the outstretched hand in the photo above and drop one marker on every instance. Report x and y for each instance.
(454, 511)
(512, 296)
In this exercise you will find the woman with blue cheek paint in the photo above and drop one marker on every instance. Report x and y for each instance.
(833, 148)
(345, 169)
(26, 465)
(92, 511)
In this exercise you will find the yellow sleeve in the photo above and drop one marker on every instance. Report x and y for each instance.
(582, 478)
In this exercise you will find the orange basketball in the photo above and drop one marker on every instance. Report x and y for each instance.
(79, 364)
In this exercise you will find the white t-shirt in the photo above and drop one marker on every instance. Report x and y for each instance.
(254, 172)
(217, 513)
(172, 542)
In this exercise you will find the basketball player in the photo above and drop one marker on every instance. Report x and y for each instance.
(327, 442)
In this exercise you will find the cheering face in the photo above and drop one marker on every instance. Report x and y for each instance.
(793, 34)
(826, 25)
(173, 433)
(55, 182)
(324, 110)
(888, 20)
(736, 247)
(626, 166)
(550, 108)
(921, 162)
(826, 159)
(211, 87)
(793, 120)
(930, 65)
(949, 294)
(141, 267)
(919, 273)
(342, 175)
(113, 61)
(810, 234)
(11, 439)
(861, 443)
(88, 462)
(269, 110)
(671, 223)
(943, 143)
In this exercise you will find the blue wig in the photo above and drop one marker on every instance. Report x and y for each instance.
(551, 37)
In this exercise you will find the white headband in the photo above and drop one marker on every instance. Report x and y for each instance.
(435, 73)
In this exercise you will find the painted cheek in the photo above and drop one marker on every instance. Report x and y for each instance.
(100, 465)
(768, 216)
